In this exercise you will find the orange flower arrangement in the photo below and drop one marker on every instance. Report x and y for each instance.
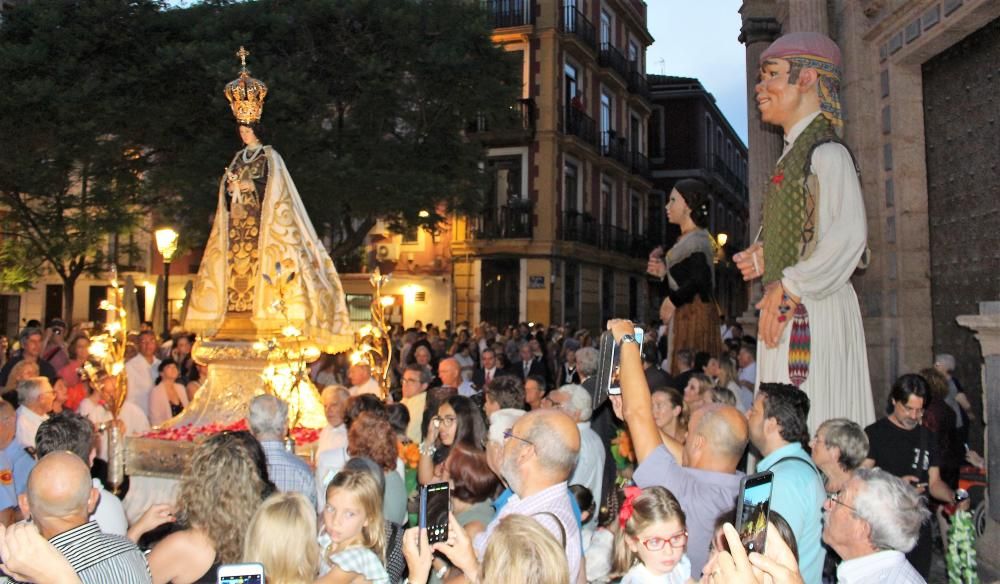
(409, 452)
(624, 441)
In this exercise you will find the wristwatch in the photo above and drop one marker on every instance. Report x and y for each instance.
(628, 339)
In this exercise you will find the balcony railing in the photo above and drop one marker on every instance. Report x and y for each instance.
(507, 13)
(511, 221)
(573, 22)
(639, 164)
(637, 83)
(614, 147)
(581, 227)
(612, 58)
(574, 122)
(720, 167)
(584, 228)
(517, 120)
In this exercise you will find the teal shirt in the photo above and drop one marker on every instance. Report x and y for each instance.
(798, 495)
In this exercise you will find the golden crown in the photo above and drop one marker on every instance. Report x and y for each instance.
(246, 94)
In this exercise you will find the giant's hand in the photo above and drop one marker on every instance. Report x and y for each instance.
(667, 310)
(776, 309)
(655, 266)
(751, 262)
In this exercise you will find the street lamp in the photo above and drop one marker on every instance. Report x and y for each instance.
(166, 243)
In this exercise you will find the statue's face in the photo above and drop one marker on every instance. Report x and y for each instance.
(247, 135)
(777, 97)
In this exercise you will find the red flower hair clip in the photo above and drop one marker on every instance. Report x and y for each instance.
(776, 179)
(626, 511)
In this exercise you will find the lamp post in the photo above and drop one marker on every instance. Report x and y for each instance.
(166, 243)
(721, 291)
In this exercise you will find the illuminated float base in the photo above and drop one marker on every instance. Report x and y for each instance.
(236, 374)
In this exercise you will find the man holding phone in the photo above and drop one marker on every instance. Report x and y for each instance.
(900, 445)
(704, 480)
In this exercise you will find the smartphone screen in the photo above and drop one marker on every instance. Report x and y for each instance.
(435, 502)
(614, 382)
(248, 579)
(752, 508)
(250, 573)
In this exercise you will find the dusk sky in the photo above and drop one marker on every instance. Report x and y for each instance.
(699, 39)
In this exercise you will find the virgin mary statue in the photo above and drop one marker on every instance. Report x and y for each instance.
(261, 235)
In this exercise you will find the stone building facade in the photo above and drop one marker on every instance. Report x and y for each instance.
(564, 234)
(921, 110)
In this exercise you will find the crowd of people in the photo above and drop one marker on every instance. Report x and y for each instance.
(545, 485)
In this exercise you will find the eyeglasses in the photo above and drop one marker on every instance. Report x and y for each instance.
(834, 499)
(446, 421)
(509, 433)
(676, 541)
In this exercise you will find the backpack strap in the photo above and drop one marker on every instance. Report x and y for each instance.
(562, 530)
(802, 460)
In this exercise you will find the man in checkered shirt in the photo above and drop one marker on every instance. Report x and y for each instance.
(268, 420)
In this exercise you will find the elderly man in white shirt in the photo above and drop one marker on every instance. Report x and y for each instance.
(141, 372)
(361, 379)
(575, 401)
(35, 396)
(872, 523)
(334, 435)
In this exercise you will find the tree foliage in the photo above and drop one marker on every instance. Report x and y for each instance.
(110, 108)
(368, 102)
(73, 79)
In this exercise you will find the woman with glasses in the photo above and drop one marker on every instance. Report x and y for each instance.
(458, 420)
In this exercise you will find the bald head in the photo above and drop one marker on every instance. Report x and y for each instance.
(450, 372)
(60, 491)
(556, 440)
(724, 431)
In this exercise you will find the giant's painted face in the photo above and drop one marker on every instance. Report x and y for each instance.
(777, 96)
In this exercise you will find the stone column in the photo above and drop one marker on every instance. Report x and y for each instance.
(808, 16)
(764, 140)
(986, 324)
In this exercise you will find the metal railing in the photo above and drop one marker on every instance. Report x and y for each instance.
(573, 22)
(581, 227)
(574, 122)
(639, 164)
(720, 167)
(612, 58)
(614, 147)
(519, 117)
(511, 221)
(637, 83)
(507, 13)
(584, 228)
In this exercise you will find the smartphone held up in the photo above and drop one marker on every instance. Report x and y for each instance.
(435, 503)
(609, 368)
(753, 506)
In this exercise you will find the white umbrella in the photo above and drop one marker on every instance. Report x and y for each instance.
(131, 305)
(159, 305)
(182, 313)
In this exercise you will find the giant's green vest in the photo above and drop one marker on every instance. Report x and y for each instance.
(790, 205)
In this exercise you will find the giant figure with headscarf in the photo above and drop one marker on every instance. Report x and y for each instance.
(813, 236)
